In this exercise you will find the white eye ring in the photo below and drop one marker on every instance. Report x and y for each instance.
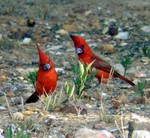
(46, 67)
(79, 50)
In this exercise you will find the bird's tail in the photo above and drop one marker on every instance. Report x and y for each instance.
(33, 98)
(126, 80)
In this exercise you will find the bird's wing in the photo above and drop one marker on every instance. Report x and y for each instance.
(103, 65)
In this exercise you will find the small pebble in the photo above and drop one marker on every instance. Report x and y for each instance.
(122, 35)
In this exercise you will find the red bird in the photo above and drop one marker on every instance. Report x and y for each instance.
(46, 78)
(86, 56)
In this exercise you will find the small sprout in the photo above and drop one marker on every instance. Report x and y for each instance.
(53, 101)
(126, 61)
(26, 124)
(21, 134)
(146, 51)
(82, 77)
(69, 89)
(8, 132)
(140, 87)
(32, 77)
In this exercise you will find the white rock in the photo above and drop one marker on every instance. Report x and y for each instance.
(99, 8)
(2, 108)
(26, 41)
(107, 133)
(55, 47)
(60, 71)
(139, 118)
(53, 136)
(57, 36)
(120, 68)
(21, 78)
(51, 116)
(145, 59)
(89, 133)
(88, 12)
(104, 94)
(110, 21)
(1, 136)
(58, 53)
(123, 44)
(62, 32)
(122, 35)
(139, 134)
(82, 35)
(146, 28)
(140, 74)
(105, 30)
(49, 27)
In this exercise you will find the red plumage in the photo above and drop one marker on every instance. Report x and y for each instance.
(86, 55)
(46, 78)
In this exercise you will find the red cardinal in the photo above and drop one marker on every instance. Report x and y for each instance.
(46, 78)
(86, 56)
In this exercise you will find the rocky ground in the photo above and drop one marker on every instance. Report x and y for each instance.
(101, 113)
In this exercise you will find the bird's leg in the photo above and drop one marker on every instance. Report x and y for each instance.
(100, 84)
(95, 86)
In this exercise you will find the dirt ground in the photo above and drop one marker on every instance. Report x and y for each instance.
(103, 108)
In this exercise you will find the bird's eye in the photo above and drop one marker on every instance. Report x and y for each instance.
(80, 50)
(46, 67)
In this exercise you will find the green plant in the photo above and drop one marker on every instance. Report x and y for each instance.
(9, 134)
(54, 100)
(69, 89)
(140, 87)
(27, 124)
(82, 77)
(31, 76)
(146, 51)
(126, 61)
(22, 135)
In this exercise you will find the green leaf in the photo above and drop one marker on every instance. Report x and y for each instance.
(140, 87)
(72, 91)
(89, 66)
(81, 66)
(81, 88)
(8, 132)
(82, 76)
